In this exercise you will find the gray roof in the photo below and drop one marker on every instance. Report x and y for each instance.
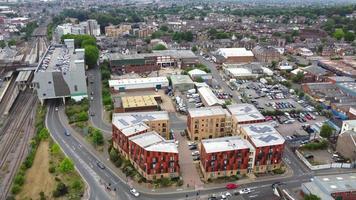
(316, 70)
(173, 53)
(179, 79)
(336, 183)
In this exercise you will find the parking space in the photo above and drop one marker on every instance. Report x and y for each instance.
(318, 157)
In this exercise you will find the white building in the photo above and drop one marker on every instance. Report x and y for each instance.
(208, 97)
(61, 73)
(348, 125)
(138, 83)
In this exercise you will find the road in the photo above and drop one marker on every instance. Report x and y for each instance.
(218, 79)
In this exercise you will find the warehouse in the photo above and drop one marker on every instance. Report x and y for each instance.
(246, 71)
(138, 84)
(182, 82)
(233, 55)
(208, 97)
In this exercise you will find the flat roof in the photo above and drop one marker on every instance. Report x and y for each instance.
(225, 144)
(244, 112)
(234, 52)
(57, 58)
(337, 183)
(139, 101)
(179, 79)
(207, 111)
(349, 87)
(171, 53)
(134, 81)
(152, 141)
(23, 76)
(210, 98)
(341, 78)
(134, 128)
(263, 135)
(123, 120)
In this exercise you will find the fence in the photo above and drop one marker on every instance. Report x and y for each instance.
(324, 166)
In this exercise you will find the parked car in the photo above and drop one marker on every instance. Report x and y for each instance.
(100, 165)
(245, 191)
(231, 186)
(195, 153)
(66, 133)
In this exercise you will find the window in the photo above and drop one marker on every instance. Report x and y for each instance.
(75, 88)
(171, 158)
(154, 160)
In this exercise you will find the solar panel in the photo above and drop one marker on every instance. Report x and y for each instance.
(264, 129)
(268, 138)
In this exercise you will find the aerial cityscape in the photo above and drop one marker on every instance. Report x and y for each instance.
(178, 100)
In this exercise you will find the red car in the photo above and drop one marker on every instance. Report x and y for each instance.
(231, 186)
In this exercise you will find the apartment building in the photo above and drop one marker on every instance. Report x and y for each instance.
(117, 31)
(268, 143)
(244, 113)
(208, 122)
(153, 156)
(126, 125)
(61, 73)
(226, 156)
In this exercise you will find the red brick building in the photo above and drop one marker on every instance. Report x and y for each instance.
(153, 156)
(268, 144)
(227, 156)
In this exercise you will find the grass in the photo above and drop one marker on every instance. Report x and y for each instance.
(316, 145)
(77, 111)
(106, 95)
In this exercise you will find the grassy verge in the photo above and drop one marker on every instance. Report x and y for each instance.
(77, 111)
(316, 145)
(46, 173)
(106, 95)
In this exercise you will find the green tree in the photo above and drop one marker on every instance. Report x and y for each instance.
(338, 34)
(55, 149)
(91, 55)
(199, 79)
(66, 165)
(60, 190)
(311, 197)
(164, 28)
(326, 131)
(273, 65)
(298, 77)
(98, 138)
(11, 42)
(159, 47)
(349, 36)
(2, 44)
(113, 155)
(43, 134)
(194, 49)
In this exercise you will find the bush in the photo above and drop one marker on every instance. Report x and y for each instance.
(316, 145)
(15, 189)
(66, 165)
(42, 196)
(180, 182)
(165, 182)
(19, 180)
(52, 169)
(278, 171)
(76, 185)
(61, 190)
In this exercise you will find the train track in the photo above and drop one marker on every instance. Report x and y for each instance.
(16, 134)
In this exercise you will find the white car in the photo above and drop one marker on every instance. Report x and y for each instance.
(134, 192)
(245, 191)
(195, 153)
(225, 195)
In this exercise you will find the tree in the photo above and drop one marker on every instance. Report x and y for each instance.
(311, 197)
(91, 55)
(66, 165)
(98, 138)
(43, 134)
(60, 190)
(298, 77)
(55, 149)
(159, 47)
(164, 28)
(199, 80)
(349, 36)
(113, 155)
(11, 42)
(194, 48)
(326, 131)
(338, 34)
(273, 64)
(2, 44)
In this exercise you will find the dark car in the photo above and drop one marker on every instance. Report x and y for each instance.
(66, 133)
(100, 165)
(193, 147)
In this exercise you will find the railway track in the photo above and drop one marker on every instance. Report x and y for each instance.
(16, 134)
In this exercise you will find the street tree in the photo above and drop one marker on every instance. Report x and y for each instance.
(326, 131)
(338, 34)
(91, 55)
(311, 197)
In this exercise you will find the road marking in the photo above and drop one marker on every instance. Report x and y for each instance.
(253, 196)
(179, 189)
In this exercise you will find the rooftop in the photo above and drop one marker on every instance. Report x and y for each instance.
(348, 87)
(225, 144)
(263, 135)
(172, 53)
(58, 58)
(341, 79)
(234, 52)
(337, 183)
(134, 81)
(134, 128)
(139, 101)
(123, 120)
(244, 112)
(209, 97)
(207, 111)
(177, 79)
(152, 141)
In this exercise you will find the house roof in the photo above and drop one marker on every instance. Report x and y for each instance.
(244, 112)
(234, 52)
(207, 111)
(263, 135)
(209, 97)
(152, 141)
(225, 144)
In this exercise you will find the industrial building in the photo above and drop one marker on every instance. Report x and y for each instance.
(208, 122)
(208, 97)
(182, 82)
(233, 56)
(148, 62)
(61, 73)
(138, 84)
(269, 145)
(136, 103)
(330, 187)
(246, 71)
(226, 156)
